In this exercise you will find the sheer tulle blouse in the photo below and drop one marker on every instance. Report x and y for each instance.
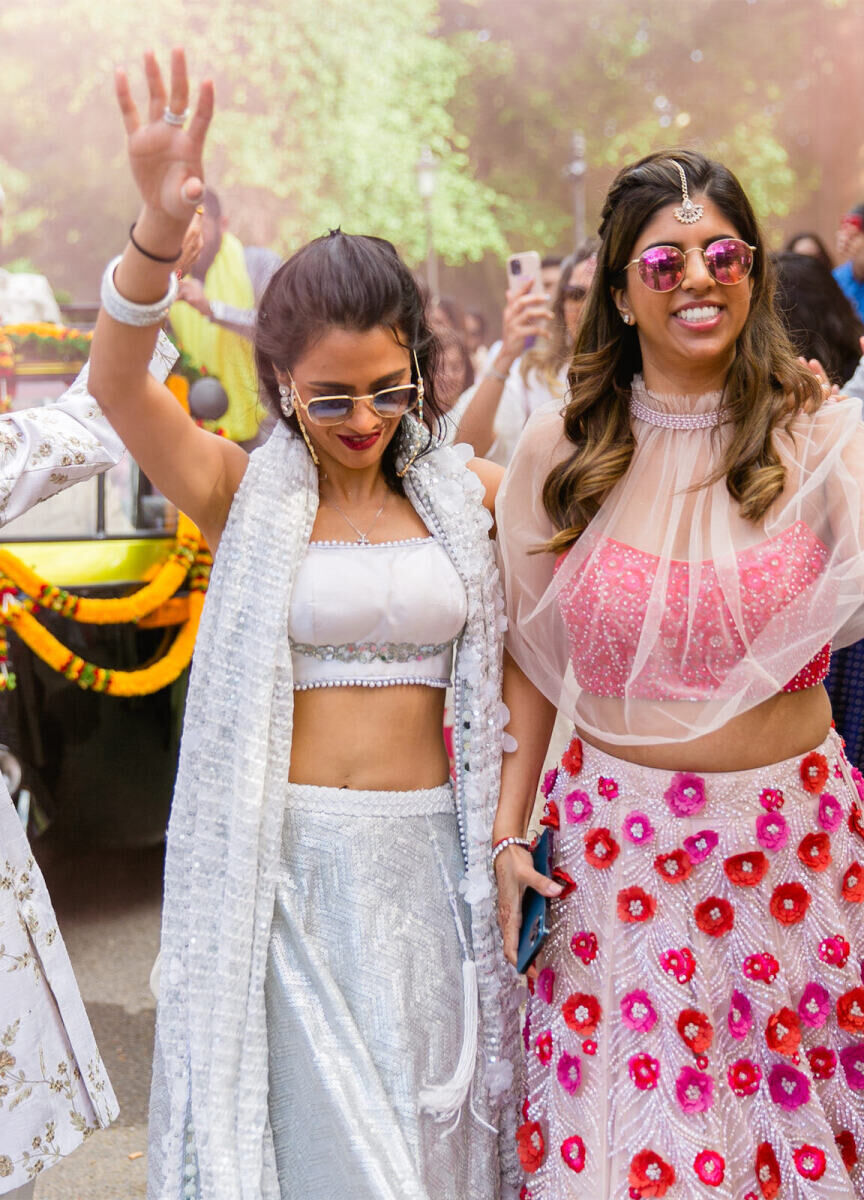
(672, 613)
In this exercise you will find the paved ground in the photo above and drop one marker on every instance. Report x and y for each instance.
(107, 905)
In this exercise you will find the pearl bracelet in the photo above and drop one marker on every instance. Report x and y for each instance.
(504, 843)
(127, 312)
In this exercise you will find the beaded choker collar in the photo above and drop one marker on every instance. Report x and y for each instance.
(664, 418)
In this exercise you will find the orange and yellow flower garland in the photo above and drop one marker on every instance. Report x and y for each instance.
(189, 562)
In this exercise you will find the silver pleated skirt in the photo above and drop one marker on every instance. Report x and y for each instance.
(364, 1001)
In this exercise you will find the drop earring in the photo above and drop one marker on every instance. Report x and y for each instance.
(286, 400)
(626, 318)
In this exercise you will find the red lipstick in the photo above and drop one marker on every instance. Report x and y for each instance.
(354, 443)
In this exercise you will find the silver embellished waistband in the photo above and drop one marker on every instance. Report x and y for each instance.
(354, 802)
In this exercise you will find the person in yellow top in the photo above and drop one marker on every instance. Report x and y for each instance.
(214, 316)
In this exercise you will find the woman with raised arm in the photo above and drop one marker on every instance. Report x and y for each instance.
(681, 546)
(335, 1013)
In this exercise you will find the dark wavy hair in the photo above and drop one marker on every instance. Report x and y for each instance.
(345, 281)
(765, 386)
(821, 322)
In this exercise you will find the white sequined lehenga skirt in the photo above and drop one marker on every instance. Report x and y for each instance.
(697, 1027)
(364, 1001)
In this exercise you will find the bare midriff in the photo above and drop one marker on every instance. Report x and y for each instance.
(781, 727)
(369, 738)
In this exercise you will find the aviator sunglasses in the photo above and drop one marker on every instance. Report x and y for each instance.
(662, 268)
(388, 403)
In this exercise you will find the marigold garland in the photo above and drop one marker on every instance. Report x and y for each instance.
(22, 592)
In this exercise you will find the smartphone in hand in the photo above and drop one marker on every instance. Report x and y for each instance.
(521, 267)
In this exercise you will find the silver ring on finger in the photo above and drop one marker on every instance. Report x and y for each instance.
(172, 118)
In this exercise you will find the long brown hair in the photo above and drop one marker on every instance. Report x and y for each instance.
(765, 388)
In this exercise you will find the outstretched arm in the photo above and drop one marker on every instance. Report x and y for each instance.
(197, 471)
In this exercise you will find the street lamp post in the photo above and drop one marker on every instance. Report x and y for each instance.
(427, 179)
(576, 174)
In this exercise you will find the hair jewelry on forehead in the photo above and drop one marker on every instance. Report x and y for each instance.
(687, 213)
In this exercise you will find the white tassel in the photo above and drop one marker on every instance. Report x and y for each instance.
(444, 1100)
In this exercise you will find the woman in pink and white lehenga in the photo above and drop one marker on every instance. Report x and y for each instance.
(681, 548)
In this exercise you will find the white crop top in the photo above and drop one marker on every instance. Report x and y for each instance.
(372, 615)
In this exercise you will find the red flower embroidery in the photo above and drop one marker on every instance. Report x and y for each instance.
(845, 1140)
(649, 1175)
(783, 1032)
(584, 946)
(762, 966)
(679, 963)
(543, 1047)
(568, 883)
(810, 1161)
(532, 1148)
(814, 771)
(853, 884)
(834, 950)
(789, 903)
(674, 867)
(635, 905)
(823, 1062)
(767, 1171)
(695, 1030)
(582, 1013)
(644, 1071)
(856, 825)
(710, 1167)
(746, 870)
(601, 849)
(573, 1153)
(550, 816)
(714, 916)
(850, 1011)
(744, 1077)
(571, 759)
(815, 851)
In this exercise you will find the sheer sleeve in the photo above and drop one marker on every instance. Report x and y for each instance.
(672, 613)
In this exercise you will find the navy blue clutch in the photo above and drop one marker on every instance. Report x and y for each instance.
(535, 908)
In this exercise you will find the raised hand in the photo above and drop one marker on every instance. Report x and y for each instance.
(167, 157)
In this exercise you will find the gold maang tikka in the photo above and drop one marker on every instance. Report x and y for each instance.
(687, 212)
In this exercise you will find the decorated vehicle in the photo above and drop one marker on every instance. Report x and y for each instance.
(101, 591)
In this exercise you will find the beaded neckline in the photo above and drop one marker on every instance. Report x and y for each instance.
(414, 541)
(667, 418)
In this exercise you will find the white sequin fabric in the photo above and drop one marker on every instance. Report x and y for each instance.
(697, 1027)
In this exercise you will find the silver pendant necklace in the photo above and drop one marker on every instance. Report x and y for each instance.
(362, 535)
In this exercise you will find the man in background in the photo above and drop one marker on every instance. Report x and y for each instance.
(850, 251)
(214, 316)
(23, 297)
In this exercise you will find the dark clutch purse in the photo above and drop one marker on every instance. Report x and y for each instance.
(535, 908)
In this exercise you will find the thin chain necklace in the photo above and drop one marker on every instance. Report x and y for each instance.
(362, 535)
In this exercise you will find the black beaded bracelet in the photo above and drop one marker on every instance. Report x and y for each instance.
(153, 257)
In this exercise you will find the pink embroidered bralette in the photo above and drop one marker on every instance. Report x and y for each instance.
(697, 643)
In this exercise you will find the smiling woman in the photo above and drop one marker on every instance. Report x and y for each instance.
(680, 549)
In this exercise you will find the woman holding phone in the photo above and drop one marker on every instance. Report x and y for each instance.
(680, 547)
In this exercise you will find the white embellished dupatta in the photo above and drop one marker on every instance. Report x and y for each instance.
(209, 1117)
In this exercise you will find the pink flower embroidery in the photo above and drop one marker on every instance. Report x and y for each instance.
(740, 1019)
(607, 788)
(577, 807)
(771, 799)
(852, 1061)
(810, 1161)
(637, 828)
(549, 782)
(834, 950)
(830, 812)
(679, 963)
(695, 1090)
(744, 1077)
(573, 1153)
(584, 946)
(772, 832)
(762, 967)
(638, 1012)
(700, 845)
(543, 1047)
(685, 794)
(823, 1062)
(644, 1071)
(814, 1005)
(569, 1072)
(710, 1167)
(789, 1088)
(545, 984)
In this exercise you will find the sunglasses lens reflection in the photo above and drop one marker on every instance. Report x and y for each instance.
(662, 268)
(729, 260)
(395, 401)
(330, 410)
